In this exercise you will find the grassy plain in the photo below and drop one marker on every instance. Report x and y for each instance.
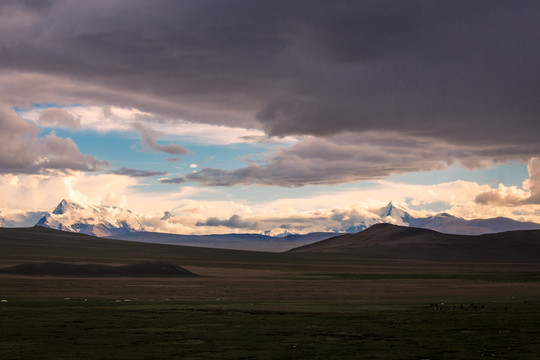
(105, 329)
(248, 305)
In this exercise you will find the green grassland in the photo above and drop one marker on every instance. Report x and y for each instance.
(250, 305)
(106, 329)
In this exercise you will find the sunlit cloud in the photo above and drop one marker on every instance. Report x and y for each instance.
(513, 195)
(23, 150)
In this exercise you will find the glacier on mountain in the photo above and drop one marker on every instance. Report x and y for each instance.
(91, 220)
(446, 223)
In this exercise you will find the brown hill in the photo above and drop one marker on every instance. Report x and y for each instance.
(145, 269)
(38, 244)
(398, 242)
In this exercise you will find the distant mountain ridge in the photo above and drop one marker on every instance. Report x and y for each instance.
(255, 242)
(118, 223)
(449, 224)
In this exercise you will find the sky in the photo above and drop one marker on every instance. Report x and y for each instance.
(269, 116)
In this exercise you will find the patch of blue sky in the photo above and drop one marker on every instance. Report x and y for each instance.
(123, 149)
(509, 174)
(118, 148)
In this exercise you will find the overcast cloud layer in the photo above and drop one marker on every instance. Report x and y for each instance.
(443, 69)
(371, 88)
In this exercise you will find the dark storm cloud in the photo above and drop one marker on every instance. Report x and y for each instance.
(350, 157)
(137, 173)
(28, 4)
(461, 71)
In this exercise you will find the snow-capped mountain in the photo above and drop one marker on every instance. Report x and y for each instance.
(446, 223)
(395, 214)
(391, 213)
(91, 220)
(114, 221)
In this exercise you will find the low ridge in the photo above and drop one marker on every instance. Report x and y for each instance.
(143, 269)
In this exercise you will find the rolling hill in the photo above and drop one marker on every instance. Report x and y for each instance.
(386, 241)
(144, 269)
(380, 242)
(37, 244)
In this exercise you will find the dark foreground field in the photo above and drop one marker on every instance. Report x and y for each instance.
(247, 305)
(105, 329)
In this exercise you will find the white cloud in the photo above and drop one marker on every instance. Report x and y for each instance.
(513, 195)
(115, 118)
(44, 192)
(329, 210)
(59, 118)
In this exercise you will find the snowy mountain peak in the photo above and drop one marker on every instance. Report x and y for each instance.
(390, 209)
(65, 206)
(91, 220)
(444, 215)
(395, 214)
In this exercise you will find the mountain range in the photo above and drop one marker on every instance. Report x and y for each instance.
(118, 223)
(448, 224)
